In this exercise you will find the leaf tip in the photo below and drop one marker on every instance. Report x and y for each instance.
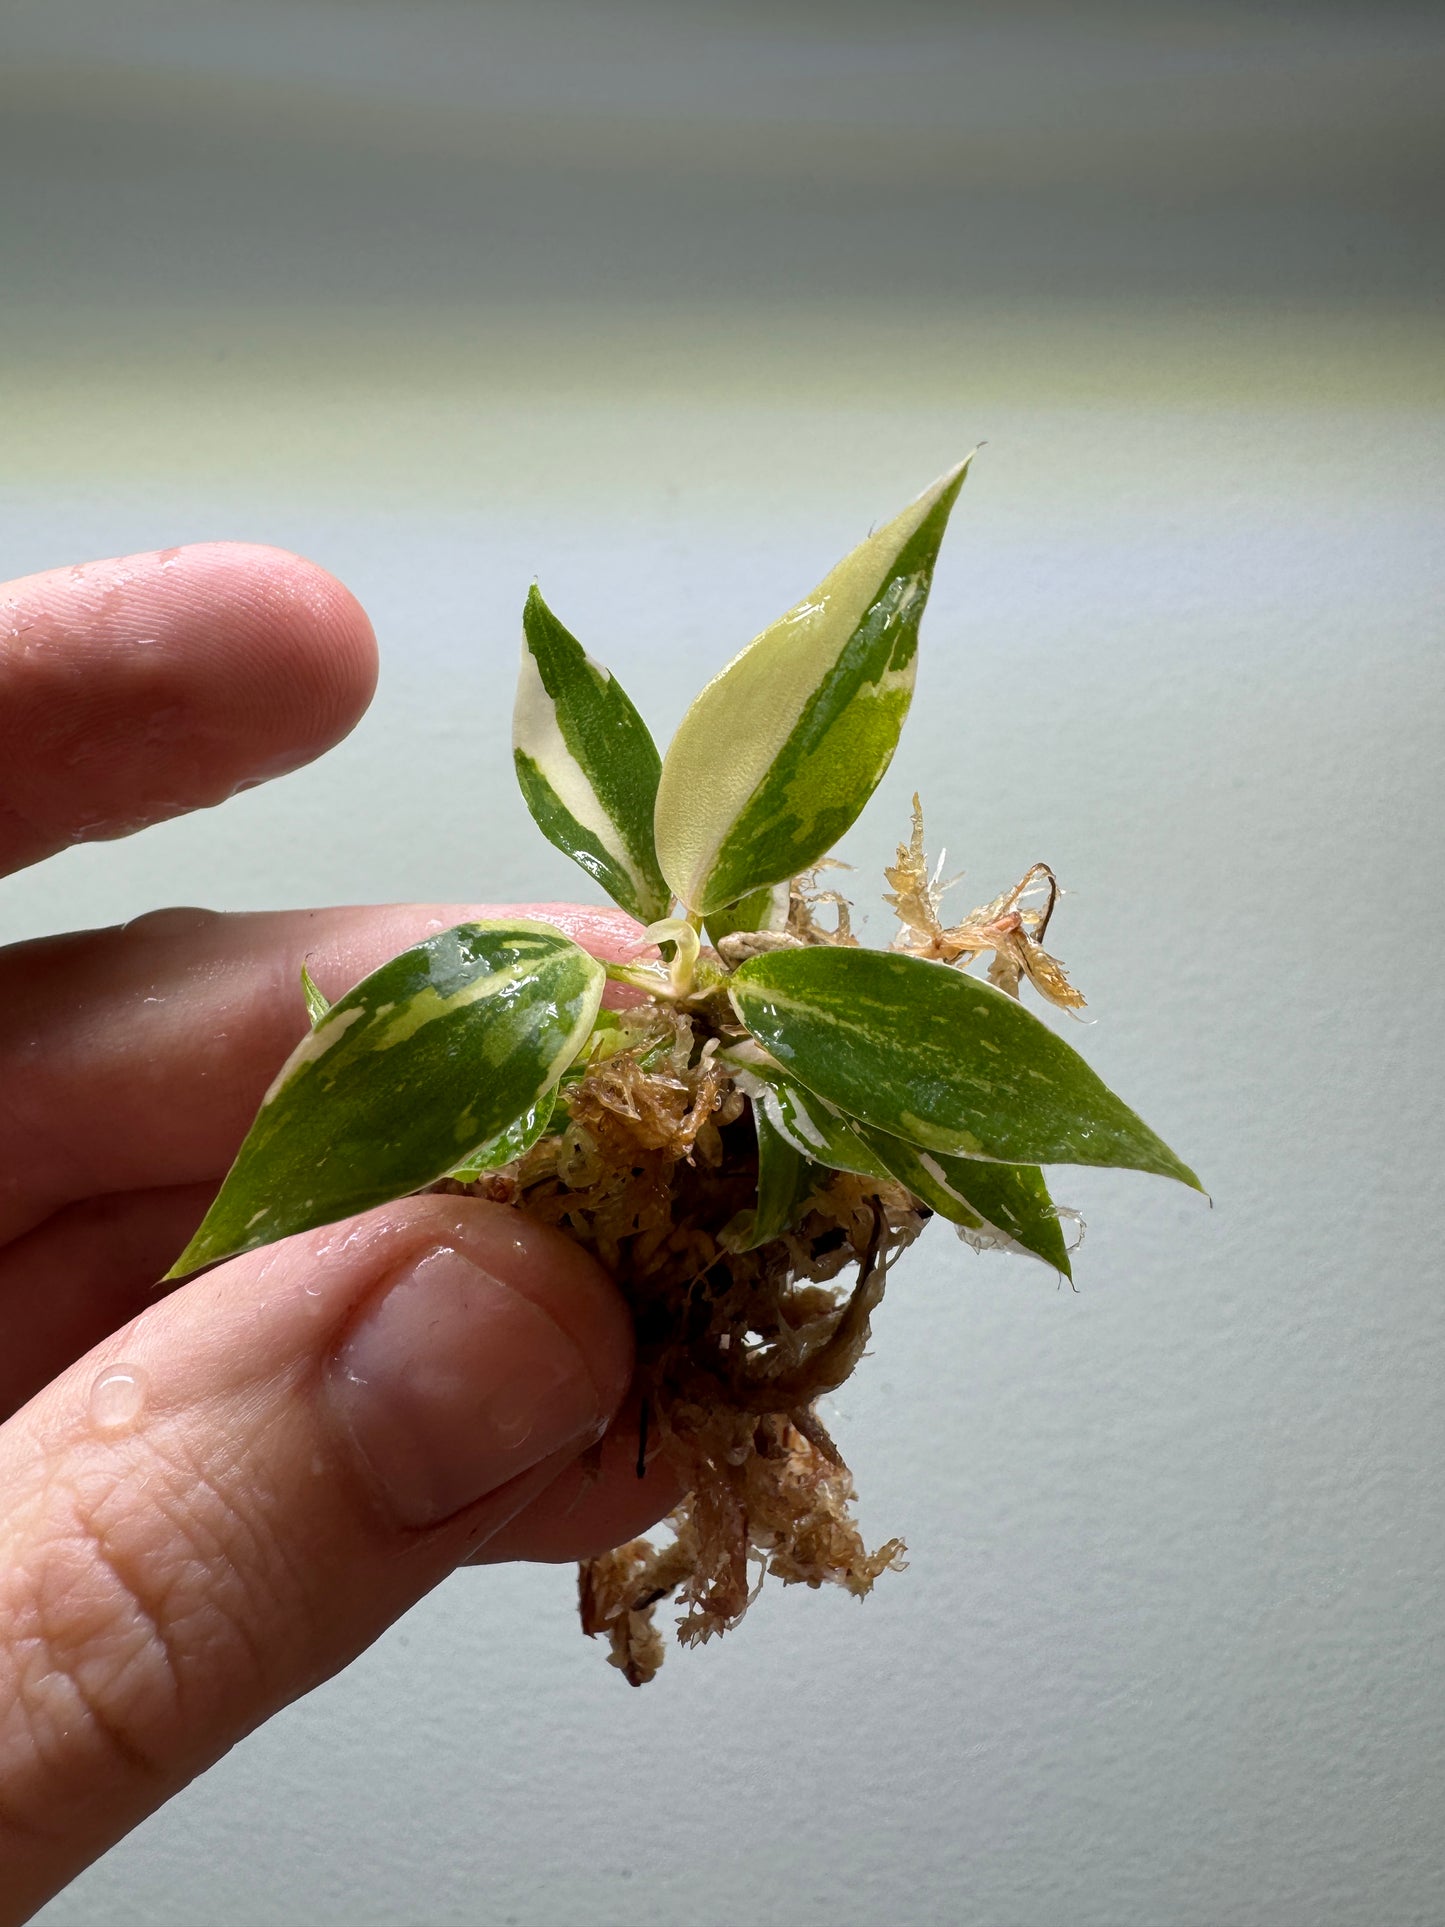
(941, 494)
(1174, 1167)
(190, 1261)
(953, 479)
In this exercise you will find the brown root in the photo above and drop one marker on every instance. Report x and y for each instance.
(734, 1348)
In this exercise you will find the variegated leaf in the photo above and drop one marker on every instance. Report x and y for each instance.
(780, 752)
(433, 1055)
(784, 1180)
(586, 764)
(1009, 1203)
(926, 1054)
(814, 1128)
(510, 1144)
(765, 909)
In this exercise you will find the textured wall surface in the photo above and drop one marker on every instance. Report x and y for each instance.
(664, 311)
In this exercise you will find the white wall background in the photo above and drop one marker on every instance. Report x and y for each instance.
(1170, 1646)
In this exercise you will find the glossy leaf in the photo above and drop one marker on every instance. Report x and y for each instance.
(784, 1180)
(780, 752)
(510, 1144)
(430, 1057)
(814, 1129)
(586, 763)
(765, 909)
(929, 1055)
(1010, 1201)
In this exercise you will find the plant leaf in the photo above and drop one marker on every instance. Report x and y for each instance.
(784, 1180)
(509, 1145)
(814, 1129)
(431, 1056)
(928, 1055)
(765, 909)
(1009, 1200)
(317, 1004)
(587, 765)
(780, 752)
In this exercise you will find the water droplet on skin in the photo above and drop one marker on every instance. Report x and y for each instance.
(117, 1399)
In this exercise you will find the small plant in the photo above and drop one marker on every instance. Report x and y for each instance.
(770, 1104)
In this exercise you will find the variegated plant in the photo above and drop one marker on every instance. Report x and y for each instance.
(456, 1057)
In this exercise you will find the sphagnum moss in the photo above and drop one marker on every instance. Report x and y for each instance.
(777, 1115)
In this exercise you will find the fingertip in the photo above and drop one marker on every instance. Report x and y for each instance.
(299, 619)
(135, 689)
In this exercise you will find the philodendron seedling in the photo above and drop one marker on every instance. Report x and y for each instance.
(770, 1104)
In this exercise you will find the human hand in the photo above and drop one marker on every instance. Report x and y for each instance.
(215, 1500)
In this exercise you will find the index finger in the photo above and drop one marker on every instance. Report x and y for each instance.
(138, 689)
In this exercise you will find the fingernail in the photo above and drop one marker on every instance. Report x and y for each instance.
(451, 1383)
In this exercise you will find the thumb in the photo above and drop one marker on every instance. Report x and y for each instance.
(228, 1500)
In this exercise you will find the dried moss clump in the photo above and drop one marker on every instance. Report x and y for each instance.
(654, 1175)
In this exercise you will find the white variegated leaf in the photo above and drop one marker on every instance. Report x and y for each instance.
(924, 1053)
(430, 1057)
(586, 763)
(777, 756)
(1003, 1205)
(785, 1178)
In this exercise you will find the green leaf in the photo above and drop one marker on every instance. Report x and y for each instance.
(607, 1037)
(510, 1144)
(814, 1129)
(317, 1004)
(430, 1057)
(929, 1055)
(765, 909)
(587, 765)
(1010, 1201)
(780, 752)
(784, 1181)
